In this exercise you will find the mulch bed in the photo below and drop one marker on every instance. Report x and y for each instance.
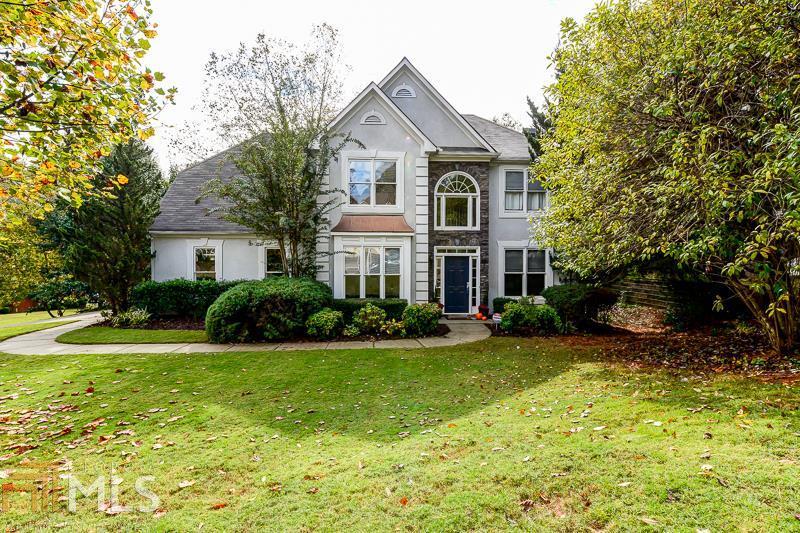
(199, 324)
(705, 350)
(166, 323)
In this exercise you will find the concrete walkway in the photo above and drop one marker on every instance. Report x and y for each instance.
(44, 342)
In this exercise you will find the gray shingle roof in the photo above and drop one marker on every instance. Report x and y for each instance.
(509, 143)
(180, 212)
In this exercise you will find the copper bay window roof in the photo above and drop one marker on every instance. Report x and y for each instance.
(372, 224)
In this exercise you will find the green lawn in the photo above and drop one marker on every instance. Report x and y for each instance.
(106, 335)
(505, 433)
(23, 318)
(13, 331)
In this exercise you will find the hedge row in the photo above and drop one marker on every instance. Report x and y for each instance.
(178, 297)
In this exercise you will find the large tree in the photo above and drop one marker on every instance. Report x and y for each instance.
(677, 133)
(71, 86)
(275, 100)
(105, 242)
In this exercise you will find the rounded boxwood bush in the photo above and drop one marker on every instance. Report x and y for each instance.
(526, 318)
(272, 309)
(325, 324)
(421, 319)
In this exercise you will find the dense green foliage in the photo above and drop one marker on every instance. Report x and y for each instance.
(394, 307)
(421, 320)
(524, 317)
(579, 304)
(677, 133)
(499, 303)
(325, 324)
(272, 309)
(106, 243)
(59, 294)
(369, 320)
(178, 297)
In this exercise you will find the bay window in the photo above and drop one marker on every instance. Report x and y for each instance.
(520, 195)
(524, 272)
(372, 272)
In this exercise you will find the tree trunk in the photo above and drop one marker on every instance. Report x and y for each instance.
(776, 316)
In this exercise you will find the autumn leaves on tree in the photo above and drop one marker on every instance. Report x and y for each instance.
(72, 86)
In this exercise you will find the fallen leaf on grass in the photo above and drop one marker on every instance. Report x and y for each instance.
(218, 505)
(403, 501)
(186, 483)
(649, 521)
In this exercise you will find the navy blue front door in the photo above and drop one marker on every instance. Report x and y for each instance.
(456, 284)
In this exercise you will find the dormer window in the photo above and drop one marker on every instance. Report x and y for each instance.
(373, 118)
(404, 91)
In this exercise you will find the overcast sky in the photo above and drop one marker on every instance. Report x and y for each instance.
(484, 56)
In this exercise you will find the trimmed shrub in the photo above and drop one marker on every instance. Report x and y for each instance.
(421, 319)
(580, 304)
(369, 320)
(132, 318)
(272, 309)
(394, 328)
(499, 304)
(178, 297)
(325, 324)
(537, 319)
(393, 306)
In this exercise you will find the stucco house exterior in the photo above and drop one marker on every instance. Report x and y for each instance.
(437, 208)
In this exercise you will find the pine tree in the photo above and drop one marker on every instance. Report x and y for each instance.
(107, 244)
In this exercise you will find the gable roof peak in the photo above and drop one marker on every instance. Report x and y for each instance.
(405, 64)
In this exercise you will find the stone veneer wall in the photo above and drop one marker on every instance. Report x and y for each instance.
(479, 171)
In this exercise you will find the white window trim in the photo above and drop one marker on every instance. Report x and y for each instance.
(502, 246)
(262, 257)
(373, 113)
(365, 241)
(439, 203)
(524, 213)
(474, 253)
(192, 244)
(400, 157)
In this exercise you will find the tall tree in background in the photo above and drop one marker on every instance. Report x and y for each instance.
(275, 100)
(105, 243)
(677, 133)
(71, 86)
(540, 125)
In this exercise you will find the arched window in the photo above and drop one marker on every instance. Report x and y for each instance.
(456, 202)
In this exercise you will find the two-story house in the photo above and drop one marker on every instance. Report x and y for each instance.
(437, 208)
